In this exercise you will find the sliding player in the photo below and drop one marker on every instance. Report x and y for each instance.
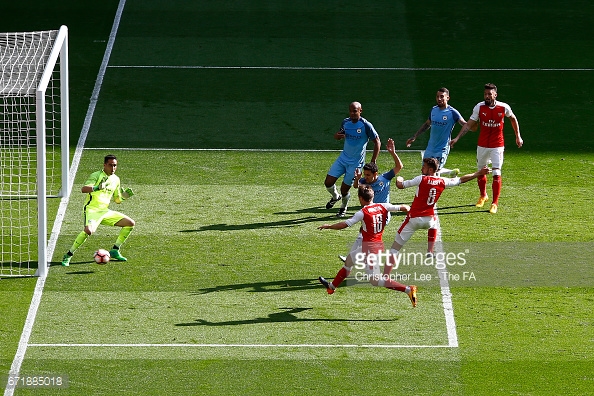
(373, 218)
(380, 184)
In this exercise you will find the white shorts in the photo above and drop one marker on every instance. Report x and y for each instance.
(485, 155)
(356, 248)
(411, 224)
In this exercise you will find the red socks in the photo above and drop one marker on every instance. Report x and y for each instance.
(390, 284)
(431, 237)
(340, 276)
(496, 188)
(482, 184)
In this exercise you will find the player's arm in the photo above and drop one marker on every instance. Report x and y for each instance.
(340, 134)
(87, 189)
(93, 184)
(470, 125)
(356, 180)
(336, 226)
(481, 172)
(357, 217)
(121, 194)
(376, 148)
(401, 183)
(392, 150)
(397, 208)
(516, 126)
(426, 125)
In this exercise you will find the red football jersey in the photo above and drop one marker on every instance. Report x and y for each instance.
(491, 121)
(373, 218)
(429, 189)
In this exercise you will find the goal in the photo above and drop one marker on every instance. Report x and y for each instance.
(34, 145)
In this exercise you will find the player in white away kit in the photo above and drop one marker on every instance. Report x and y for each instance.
(422, 210)
(373, 218)
(442, 120)
(490, 114)
(356, 132)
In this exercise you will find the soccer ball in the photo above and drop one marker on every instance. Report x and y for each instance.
(101, 256)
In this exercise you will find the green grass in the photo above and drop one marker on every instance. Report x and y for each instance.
(226, 249)
(230, 270)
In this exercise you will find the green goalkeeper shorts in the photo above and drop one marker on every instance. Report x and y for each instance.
(94, 217)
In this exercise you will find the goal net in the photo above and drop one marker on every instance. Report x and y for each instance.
(34, 153)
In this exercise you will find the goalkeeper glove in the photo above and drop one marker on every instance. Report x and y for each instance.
(126, 192)
(101, 185)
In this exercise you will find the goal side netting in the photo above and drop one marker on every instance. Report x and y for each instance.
(34, 146)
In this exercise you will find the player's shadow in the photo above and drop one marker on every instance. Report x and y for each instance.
(331, 213)
(265, 287)
(287, 315)
(80, 272)
(315, 209)
(250, 226)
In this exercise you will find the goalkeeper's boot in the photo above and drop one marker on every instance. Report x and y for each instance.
(329, 286)
(115, 254)
(412, 294)
(493, 209)
(333, 201)
(481, 201)
(341, 212)
(455, 172)
(66, 260)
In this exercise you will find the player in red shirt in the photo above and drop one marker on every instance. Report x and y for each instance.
(422, 211)
(373, 217)
(490, 114)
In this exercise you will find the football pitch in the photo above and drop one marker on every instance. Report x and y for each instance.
(221, 115)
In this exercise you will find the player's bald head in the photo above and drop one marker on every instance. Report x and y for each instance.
(355, 105)
(355, 111)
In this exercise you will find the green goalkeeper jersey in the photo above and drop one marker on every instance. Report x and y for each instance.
(100, 199)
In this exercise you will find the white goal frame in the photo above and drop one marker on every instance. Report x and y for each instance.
(59, 52)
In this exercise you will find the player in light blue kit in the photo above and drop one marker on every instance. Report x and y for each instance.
(356, 132)
(380, 184)
(442, 120)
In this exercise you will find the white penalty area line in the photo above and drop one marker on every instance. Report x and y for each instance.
(343, 68)
(446, 294)
(369, 346)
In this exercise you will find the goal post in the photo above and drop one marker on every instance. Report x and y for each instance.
(34, 144)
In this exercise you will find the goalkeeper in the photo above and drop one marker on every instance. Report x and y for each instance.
(101, 187)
